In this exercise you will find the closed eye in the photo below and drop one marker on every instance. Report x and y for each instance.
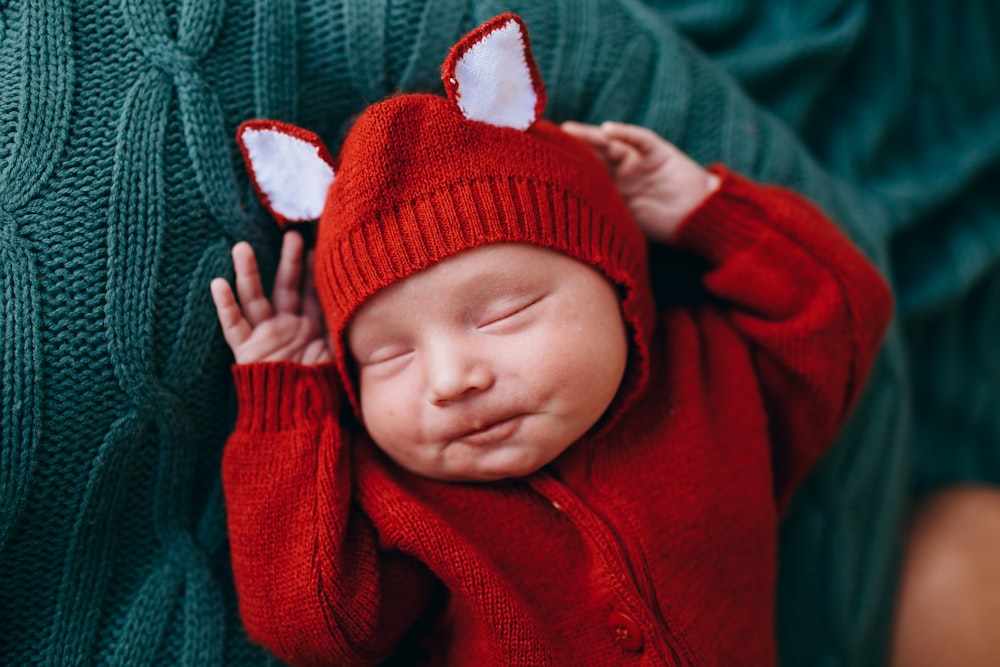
(385, 355)
(508, 312)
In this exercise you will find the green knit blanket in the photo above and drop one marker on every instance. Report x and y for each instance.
(121, 191)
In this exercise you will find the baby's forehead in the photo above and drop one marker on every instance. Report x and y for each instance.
(474, 275)
(477, 270)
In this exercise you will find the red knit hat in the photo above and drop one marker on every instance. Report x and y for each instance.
(422, 177)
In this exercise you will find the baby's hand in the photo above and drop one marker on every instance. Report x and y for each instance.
(289, 327)
(660, 184)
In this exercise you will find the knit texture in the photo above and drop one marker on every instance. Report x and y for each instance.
(417, 182)
(668, 517)
(121, 191)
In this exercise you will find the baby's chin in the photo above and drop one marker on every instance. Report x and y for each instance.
(480, 467)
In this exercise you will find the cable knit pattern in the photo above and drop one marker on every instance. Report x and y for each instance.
(121, 191)
(44, 91)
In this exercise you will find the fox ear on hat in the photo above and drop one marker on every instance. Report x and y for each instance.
(492, 76)
(290, 168)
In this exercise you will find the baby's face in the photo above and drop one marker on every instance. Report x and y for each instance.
(489, 364)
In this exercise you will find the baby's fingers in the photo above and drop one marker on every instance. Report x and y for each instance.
(642, 139)
(591, 135)
(235, 328)
(311, 308)
(625, 158)
(256, 308)
(287, 295)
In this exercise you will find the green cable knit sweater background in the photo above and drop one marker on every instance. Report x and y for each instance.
(121, 192)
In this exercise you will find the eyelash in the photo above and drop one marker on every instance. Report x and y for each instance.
(376, 359)
(509, 314)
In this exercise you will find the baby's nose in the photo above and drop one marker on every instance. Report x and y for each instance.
(455, 371)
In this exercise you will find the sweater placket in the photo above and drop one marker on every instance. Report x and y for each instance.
(625, 567)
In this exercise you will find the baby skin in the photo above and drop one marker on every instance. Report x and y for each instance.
(491, 363)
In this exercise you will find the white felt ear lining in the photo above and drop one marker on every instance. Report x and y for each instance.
(493, 82)
(291, 173)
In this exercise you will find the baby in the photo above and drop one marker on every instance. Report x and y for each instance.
(466, 437)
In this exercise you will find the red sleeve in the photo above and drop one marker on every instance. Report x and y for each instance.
(313, 585)
(814, 309)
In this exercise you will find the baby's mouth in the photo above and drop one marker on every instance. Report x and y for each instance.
(492, 431)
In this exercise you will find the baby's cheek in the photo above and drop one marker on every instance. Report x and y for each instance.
(568, 357)
(389, 421)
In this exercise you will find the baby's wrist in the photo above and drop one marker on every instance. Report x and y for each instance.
(712, 183)
(690, 195)
(276, 396)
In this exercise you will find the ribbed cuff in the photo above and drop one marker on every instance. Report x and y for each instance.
(729, 219)
(278, 396)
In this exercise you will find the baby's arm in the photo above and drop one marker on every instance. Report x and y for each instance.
(313, 584)
(812, 307)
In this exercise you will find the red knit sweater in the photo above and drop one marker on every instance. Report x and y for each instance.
(650, 542)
